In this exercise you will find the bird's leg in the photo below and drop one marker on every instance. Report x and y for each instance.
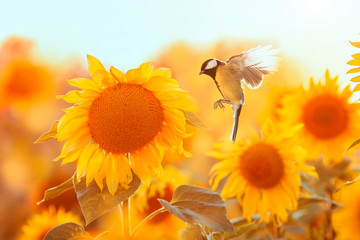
(220, 103)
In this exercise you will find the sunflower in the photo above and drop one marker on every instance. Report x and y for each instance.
(163, 225)
(330, 121)
(37, 226)
(24, 83)
(263, 174)
(356, 63)
(121, 123)
(346, 220)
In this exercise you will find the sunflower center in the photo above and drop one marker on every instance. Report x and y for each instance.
(154, 204)
(125, 118)
(261, 165)
(325, 116)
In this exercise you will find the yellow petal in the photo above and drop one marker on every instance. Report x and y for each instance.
(124, 171)
(84, 159)
(139, 75)
(71, 157)
(356, 79)
(119, 75)
(71, 97)
(94, 165)
(354, 70)
(112, 176)
(71, 128)
(355, 44)
(354, 62)
(94, 66)
(84, 83)
(356, 55)
(356, 88)
(163, 72)
(158, 83)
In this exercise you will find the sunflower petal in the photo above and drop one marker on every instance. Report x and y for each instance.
(355, 44)
(94, 66)
(119, 75)
(84, 83)
(112, 176)
(94, 165)
(84, 158)
(354, 70)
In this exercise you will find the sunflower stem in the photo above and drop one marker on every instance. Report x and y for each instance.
(126, 218)
(145, 220)
(122, 219)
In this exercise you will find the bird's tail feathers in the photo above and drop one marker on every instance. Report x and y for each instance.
(237, 111)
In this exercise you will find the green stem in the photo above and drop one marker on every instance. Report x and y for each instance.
(145, 220)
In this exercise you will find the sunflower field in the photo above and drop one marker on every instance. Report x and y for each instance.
(108, 132)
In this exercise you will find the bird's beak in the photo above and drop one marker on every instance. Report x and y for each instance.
(201, 72)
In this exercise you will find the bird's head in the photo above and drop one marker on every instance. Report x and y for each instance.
(209, 67)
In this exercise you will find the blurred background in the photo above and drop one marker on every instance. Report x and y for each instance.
(43, 43)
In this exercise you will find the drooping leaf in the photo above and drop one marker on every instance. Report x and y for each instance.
(316, 199)
(94, 202)
(353, 145)
(68, 231)
(240, 225)
(191, 231)
(193, 119)
(56, 191)
(50, 134)
(199, 205)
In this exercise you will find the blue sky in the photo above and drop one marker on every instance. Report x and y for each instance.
(126, 33)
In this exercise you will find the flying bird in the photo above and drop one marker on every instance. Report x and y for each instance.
(248, 67)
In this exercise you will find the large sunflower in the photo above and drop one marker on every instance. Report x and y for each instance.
(346, 221)
(331, 122)
(356, 63)
(263, 174)
(37, 226)
(121, 123)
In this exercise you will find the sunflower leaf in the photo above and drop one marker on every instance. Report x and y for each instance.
(50, 134)
(56, 191)
(353, 144)
(193, 119)
(316, 199)
(241, 226)
(196, 205)
(94, 202)
(68, 231)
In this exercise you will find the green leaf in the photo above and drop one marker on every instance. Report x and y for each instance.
(193, 119)
(199, 205)
(56, 191)
(68, 231)
(94, 202)
(353, 145)
(50, 134)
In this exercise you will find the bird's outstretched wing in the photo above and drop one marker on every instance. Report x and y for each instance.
(253, 64)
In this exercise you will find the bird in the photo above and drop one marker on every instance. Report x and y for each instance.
(248, 67)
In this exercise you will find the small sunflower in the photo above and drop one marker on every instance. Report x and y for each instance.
(163, 225)
(24, 83)
(331, 121)
(263, 174)
(356, 63)
(346, 220)
(37, 226)
(121, 123)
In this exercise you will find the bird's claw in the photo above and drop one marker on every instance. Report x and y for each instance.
(219, 103)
